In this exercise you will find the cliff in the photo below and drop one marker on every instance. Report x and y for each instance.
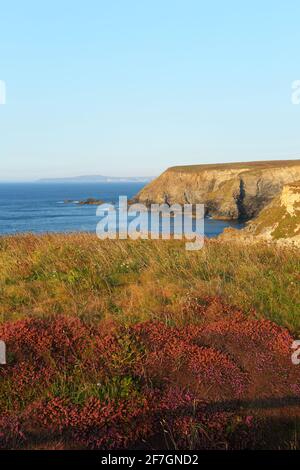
(278, 221)
(229, 191)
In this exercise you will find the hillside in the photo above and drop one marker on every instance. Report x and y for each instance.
(229, 191)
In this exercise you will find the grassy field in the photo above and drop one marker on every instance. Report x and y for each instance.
(132, 281)
(141, 344)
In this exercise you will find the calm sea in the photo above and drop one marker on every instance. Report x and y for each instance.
(40, 207)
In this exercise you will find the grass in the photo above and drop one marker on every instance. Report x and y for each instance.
(258, 165)
(131, 281)
(123, 344)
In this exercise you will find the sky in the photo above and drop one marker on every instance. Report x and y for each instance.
(130, 88)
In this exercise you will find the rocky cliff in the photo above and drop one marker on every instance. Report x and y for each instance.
(229, 191)
(279, 221)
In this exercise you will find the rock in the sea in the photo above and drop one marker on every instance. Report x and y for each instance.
(91, 201)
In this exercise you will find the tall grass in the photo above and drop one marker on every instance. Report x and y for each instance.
(131, 281)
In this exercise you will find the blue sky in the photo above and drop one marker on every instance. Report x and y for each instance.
(133, 87)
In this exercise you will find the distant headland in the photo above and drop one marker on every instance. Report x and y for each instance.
(98, 179)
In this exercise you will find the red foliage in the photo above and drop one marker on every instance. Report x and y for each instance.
(190, 380)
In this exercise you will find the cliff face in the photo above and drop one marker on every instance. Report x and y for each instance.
(229, 191)
(280, 220)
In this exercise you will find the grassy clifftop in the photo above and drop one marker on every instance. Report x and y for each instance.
(140, 344)
(143, 280)
(234, 166)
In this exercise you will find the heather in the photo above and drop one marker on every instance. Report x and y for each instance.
(221, 384)
(140, 344)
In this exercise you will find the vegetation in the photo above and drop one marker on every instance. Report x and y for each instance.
(282, 216)
(141, 344)
(132, 281)
(259, 165)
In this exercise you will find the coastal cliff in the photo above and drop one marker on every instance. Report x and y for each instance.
(279, 221)
(229, 191)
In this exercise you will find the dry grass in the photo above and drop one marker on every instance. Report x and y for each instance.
(256, 165)
(133, 281)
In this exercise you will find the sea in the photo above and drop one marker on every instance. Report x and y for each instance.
(54, 207)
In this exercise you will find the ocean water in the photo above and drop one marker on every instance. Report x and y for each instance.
(40, 207)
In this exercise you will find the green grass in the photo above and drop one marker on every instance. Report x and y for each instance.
(133, 281)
